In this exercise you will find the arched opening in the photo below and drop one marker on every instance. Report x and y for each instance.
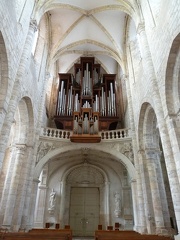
(173, 78)
(84, 171)
(3, 75)
(16, 168)
(154, 177)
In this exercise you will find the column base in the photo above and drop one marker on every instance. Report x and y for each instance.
(140, 229)
(165, 232)
(8, 227)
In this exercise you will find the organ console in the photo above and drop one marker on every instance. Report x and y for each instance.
(86, 102)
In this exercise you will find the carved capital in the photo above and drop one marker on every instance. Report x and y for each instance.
(21, 147)
(33, 24)
(125, 77)
(140, 28)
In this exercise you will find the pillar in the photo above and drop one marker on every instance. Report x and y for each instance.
(169, 158)
(162, 190)
(21, 203)
(62, 203)
(155, 193)
(147, 200)
(28, 214)
(141, 223)
(41, 199)
(13, 188)
(134, 200)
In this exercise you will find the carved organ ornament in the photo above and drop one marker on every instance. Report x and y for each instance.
(86, 102)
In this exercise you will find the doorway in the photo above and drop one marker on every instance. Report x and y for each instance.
(84, 210)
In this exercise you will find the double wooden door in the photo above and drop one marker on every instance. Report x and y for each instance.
(84, 211)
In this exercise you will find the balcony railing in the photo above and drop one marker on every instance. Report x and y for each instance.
(118, 134)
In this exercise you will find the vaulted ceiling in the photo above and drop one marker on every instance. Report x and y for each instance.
(87, 28)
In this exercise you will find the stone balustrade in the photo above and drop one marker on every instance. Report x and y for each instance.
(115, 134)
(118, 134)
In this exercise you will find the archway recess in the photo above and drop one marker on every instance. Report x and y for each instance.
(78, 166)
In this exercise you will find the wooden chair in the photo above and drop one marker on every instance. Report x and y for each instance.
(67, 227)
(3, 231)
(116, 226)
(47, 225)
(57, 226)
(110, 228)
(99, 227)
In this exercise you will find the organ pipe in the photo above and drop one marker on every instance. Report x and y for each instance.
(87, 97)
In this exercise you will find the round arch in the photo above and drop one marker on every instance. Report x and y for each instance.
(172, 81)
(123, 6)
(116, 154)
(154, 166)
(3, 74)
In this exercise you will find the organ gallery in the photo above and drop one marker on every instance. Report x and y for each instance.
(86, 101)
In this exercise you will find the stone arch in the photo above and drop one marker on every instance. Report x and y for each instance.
(148, 126)
(154, 167)
(42, 32)
(4, 81)
(114, 152)
(21, 130)
(17, 158)
(109, 51)
(172, 81)
(77, 175)
(123, 6)
(24, 130)
(86, 175)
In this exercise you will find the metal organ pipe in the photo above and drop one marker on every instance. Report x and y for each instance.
(87, 82)
(60, 98)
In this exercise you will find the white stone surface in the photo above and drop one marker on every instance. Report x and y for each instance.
(139, 43)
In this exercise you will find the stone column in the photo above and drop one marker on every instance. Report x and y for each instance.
(8, 120)
(162, 191)
(106, 203)
(62, 203)
(40, 207)
(41, 199)
(169, 158)
(5, 179)
(147, 203)
(155, 193)
(21, 203)
(28, 215)
(141, 224)
(15, 182)
(134, 200)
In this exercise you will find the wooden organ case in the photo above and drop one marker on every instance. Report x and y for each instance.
(86, 102)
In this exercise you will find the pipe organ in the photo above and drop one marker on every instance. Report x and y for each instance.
(86, 101)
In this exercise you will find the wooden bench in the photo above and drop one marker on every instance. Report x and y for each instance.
(3, 231)
(41, 234)
(126, 235)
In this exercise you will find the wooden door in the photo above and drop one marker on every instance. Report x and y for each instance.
(84, 211)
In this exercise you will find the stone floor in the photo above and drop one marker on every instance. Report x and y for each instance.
(82, 238)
